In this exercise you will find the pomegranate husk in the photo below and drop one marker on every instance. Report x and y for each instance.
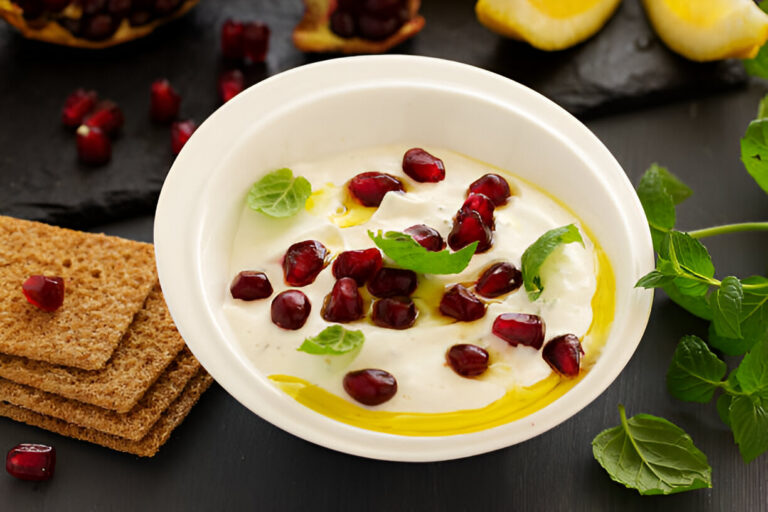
(52, 32)
(313, 33)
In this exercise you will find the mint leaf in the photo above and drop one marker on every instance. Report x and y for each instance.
(758, 66)
(537, 253)
(659, 191)
(752, 373)
(723, 408)
(652, 455)
(695, 372)
(748, 416)
(754, 147)
(279, 194)
(333, 340)
(729, 346)
(753, 321)
(697, 305)
(654, 279)
(691, 259)
(762, 108)
(726, 308)
(409, 254)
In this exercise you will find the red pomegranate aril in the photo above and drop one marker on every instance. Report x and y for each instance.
(370, 386)
(250, 285)
(164, 101)
(423, 167)
(255, 41)
(343, 23)
(344, 303)
(164, 7)
(467, 360)
(498, 279)
(231, 83)
(290, 309)
(359, 265)
(382, 7)
(303, 261)
(468, 227)
(493, 186)
(520, 329)
(370, 187)
(44, 292)
(98, 27)
(107, 117)
(232, 40)
(461, 304)
(375, 28)
(482, 205)
(76, 107)
(427, 237)
(563, 354)
(392, 282)
(93, 6)
(119, 8)
(56, 5)
(181, 131)
(93, 145)
(137, 18)
(394, 313)
(35, 462)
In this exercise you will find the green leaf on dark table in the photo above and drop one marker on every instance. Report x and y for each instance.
(748, 416)
(279, 194)
(333, 340)
(726, 308)
(752, 372)
(654, 279)
(659, 191)
(695, 372)
(723, 408)
(409, 254)
(697, 305)
(758, 66)
(754, 149)
(753, 321)
(691, 259)
(538, 252)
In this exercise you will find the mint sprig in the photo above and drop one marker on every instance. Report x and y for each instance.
(334, 340)
(279, 194)
(409, 254)
(538, 252)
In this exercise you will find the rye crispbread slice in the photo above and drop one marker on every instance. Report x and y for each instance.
(106, 280)
(146, 447)
(148, 347)
(132, 425)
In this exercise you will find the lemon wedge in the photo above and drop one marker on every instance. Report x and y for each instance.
(705, 30)
(546, 24)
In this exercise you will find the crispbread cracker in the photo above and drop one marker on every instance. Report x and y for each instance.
(148, 347)
(106, 280)
(132, 425)
(146, 447)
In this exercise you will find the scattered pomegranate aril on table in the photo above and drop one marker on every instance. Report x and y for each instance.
(467, 360)
(181, 131)
(520, 329)
(563, 354)
(394, 313)
(423, 167)
(369, 188)
(255, 41)
(482, 205)
(107, 117)
(461, 304)
(303, 261)
(370, 386)
(493, 186)
(232, 40)
(76, 107)
(28, 461)
(290, 309)
(427, 237)
(250, 285)
(231, 83)
(359, 265)
(498, 279)
(164, 101)
(392, 282)
(93, 145)
(344, 303)
(44, 292)
(469, 227)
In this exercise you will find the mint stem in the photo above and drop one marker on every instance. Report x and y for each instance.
(729, 228)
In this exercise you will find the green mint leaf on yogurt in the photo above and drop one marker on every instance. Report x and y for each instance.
(726, 303)
(659, 191)
(651, 455)
(695, 372)
(409, 254)
(754, 150)
(538, 252)
(334, 340)
(279, 193)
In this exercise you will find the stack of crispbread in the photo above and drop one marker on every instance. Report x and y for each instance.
(107, 367)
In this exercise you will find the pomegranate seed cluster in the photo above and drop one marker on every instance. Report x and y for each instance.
(369, 19)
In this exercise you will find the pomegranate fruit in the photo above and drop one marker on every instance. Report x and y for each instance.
(107, 117)
(392, 282)
(563, 354)
(76, 107)
(181, 131)
(369, 188)
(231, 83)
(303, 261)
(468, 227)
(290, 309)
(520, 329)
(394, 313)
(498, 279)
(423, 167)
(370, 386)
(461, 304)
(467, 360)
(35, 462)
(344, 303)
(482, 205)
(359, 265)
(93, 145)
(250, 285)
(493, 186)
(427, 237)
(44, 292)
(164, 101)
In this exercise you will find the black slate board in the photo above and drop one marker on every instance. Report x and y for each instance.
(623, 66)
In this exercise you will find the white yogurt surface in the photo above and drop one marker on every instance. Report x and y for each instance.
(415, 356)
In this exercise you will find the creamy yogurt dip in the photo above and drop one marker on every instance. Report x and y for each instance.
(416, 356)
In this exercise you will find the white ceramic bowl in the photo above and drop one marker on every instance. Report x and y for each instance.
(345, 104)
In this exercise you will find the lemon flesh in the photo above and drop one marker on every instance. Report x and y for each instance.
(546, 24)
(707, 30)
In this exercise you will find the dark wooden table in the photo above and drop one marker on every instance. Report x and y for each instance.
(225, 458)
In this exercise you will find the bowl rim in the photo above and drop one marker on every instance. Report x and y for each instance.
(177, 236)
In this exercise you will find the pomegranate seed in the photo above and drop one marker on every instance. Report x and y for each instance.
(427, 237)
(76, 106)
(250, 285)
(164, 101)
(181, 131)
(165, 7)
(303, 261)
(35, 462)
(394, 313)
(377, 29)
(564, 354)
(370, 187)
(119, 8)
(56, 5)
(93, 145)
(467, 360)
(343, 23)
(45, 292)
(107, 117)
(482, 205)
(93, 6)
(391, 282)
(461, 304)
(138, 18)
(370, 386)
(493, 186)
(290, 309)
(32, 9)
(498, 279)
(232, 40)
(382, 7)
(468, 227)
(359, 265)
(423, 167)
(231, 83)
(344, 303)
(520, 329)
(98, 27)
(255, 41)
